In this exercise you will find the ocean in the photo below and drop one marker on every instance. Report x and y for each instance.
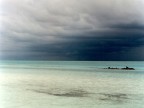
(71, 84)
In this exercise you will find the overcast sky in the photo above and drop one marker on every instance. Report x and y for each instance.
(72, 29)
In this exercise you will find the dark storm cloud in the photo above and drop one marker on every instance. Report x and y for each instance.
(93, 48)
(72, 29)
(126, 26)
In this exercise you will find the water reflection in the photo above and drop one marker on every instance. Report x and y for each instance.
(114, 98)
(70, 93)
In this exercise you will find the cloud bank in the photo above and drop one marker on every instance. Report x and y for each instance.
(72, 29)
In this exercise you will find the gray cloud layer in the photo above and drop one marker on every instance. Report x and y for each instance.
(72, 29)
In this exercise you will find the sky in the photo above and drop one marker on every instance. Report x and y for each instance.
(89, 30)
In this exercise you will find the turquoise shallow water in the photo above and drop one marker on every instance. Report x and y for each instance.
(71, 84)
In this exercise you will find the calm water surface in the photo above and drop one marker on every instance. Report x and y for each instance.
(71, 84)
